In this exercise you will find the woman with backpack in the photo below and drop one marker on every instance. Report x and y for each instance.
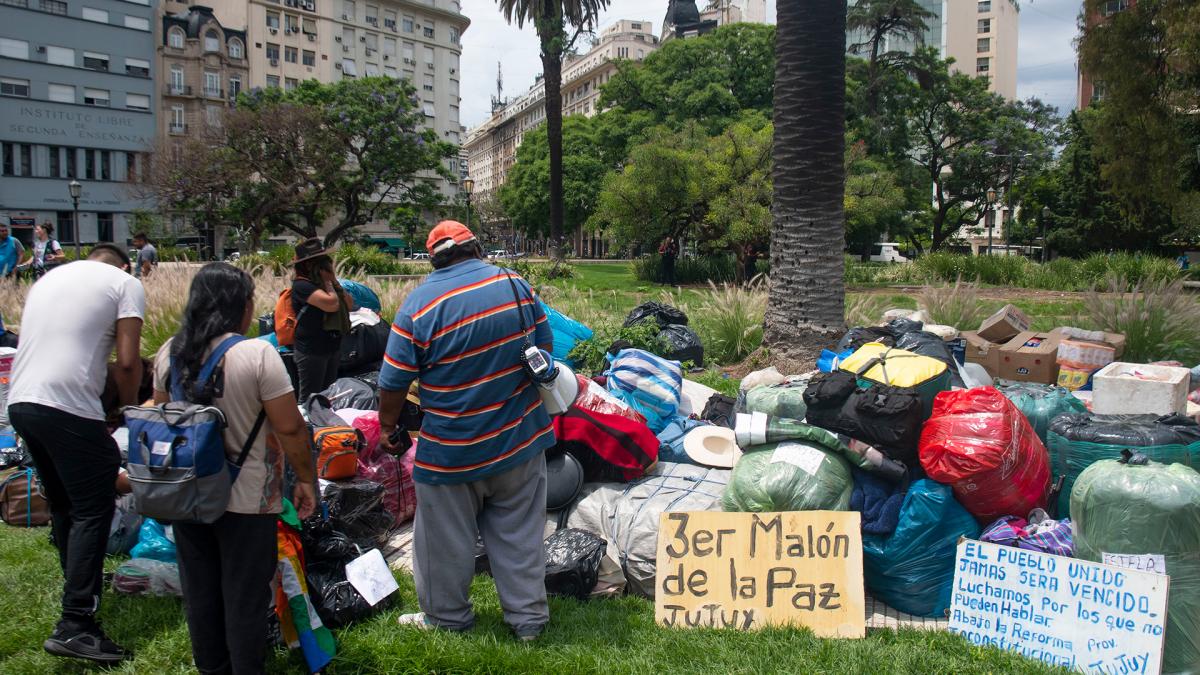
(45, 252)
(226, 567)
(322, 312)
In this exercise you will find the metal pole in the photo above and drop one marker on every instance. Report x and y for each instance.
(468, 210)
(991, 226)
(1043, 239)
(75, 225)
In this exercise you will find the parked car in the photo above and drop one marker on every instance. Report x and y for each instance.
(887, 252)
(420, 256)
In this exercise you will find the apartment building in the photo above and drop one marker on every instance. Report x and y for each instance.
(78, 103)
(1090, 89)
(685, 19)
(203, 67)
(980, 35)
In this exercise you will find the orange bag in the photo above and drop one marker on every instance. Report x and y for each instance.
(285, 319)
(337, 451)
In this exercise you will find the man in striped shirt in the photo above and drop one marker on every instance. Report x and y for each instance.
(480, 468)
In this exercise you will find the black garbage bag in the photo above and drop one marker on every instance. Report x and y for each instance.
(682, 344)
(336, 601)
(902, 326)
(363, 348)
(352, 392)
(322, 542)
(18, 456)
(720, 409)
(857, 337)
(356, 509)
(573, 562)
(665, 315)
(928, 344)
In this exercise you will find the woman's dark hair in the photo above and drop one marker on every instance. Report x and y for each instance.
(216, 305)
(311, 269)
(457, 254)
(48, 228)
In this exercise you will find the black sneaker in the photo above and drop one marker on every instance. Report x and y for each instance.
(86, 643)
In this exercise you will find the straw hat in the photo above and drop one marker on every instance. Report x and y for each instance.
(713, 446)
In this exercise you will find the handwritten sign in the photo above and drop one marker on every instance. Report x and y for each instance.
(1072, 613)
(749, 570)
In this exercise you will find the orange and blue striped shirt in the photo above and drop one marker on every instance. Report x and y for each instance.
(459, 334)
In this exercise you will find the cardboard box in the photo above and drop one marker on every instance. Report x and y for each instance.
(1031, 357)
(1076, 351)
(983, 352)
(1004, 324)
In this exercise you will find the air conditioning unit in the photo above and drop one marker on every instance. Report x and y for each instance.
(274, 31)
(274, 62)
(346, 48)
(362, 38)
(370, 52)
(345, 17)
(453, 71)
(409, 61)
(429, 66)
(41, 49)
(385, 57)
(394, 29)
(336, 38)
(338, 65)
(312, 38)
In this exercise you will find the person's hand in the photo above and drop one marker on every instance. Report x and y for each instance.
(304, 498)
(386, 443)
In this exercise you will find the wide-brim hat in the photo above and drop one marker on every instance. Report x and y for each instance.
(309, 249)
(712, 445)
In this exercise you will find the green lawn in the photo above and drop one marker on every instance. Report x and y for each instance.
(610, 636)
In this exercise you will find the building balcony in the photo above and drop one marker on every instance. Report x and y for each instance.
(178, 90)
(177, 128)
(214, 93)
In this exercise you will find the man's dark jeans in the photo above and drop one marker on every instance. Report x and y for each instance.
(77, 461)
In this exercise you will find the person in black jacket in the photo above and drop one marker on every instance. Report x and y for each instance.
(322, 317)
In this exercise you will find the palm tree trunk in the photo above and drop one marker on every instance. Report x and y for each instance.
(552, 70)
(806, 305)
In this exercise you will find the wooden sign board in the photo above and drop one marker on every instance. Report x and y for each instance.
(1066, 612)
(749, 570)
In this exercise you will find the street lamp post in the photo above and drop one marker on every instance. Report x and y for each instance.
(991, 200)
(468, 186)
(75, 189)
(1045, 217)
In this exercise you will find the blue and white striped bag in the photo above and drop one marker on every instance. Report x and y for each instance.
(647, 383)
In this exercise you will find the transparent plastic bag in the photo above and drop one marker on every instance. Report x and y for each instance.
(789, 476)
(153, 542)
(143, 576)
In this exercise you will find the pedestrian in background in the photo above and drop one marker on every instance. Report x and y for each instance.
(668, 250)
(147, 256)
(322, 317)
(46, 251)
(11, 251)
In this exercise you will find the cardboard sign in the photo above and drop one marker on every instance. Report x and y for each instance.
(749, 570)
(1062, 611)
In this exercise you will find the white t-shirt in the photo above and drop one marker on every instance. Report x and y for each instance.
(68, 329)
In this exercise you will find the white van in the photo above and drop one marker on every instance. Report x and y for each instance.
(887, 252)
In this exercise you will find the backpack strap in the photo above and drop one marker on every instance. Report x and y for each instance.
(258, 423)
(206, 371)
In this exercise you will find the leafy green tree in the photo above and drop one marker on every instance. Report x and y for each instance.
(878, 21)
(552, 19)
(738, 182)
(875, 202)
(707, 80)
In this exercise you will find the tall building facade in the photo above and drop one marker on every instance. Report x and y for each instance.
(203, 67)
(78, 101)
(1091, 90)
(685, 19)
(980, 35)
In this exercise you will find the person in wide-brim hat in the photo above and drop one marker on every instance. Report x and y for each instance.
(322, 317)
(309, 249)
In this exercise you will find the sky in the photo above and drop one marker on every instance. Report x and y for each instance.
(1045, 60)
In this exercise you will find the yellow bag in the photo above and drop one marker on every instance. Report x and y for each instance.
(900, 368)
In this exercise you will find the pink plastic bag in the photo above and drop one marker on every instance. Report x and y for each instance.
(394, 474)
(368, 424)
(981, 445)
(595, 398)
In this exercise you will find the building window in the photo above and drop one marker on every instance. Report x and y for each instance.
(176, 80)
(137, 101)
(407, 24)
(408, 52)
(104, 226)
(428, 109)
(985, 6)
(349, 69)
(983, 45)
(291, 54)
(290, 84)
(235, 87)
(90, 14)
(454, 114)
(372, 16)
(428, 55)
(372, 42)
(65, 229)
(1097, 90)
(348, 12)
(309, 58)
(273, 20)
(291, 23)
(53, 7)
(408, 75)
(622, 52)
(26, 159)
(235, 49)
(309, 26)
(389, 19)
(98, 97)
(453, 89)
(985, 26)
(175, 38)
(389, 47)
(9, 160)
(428, 31)
(89, 165)
(137, 22)
(212, 84)
(272, 81)
(453, 62)
(72, 160)
(13, 87)
(635, 26)
(61, 93)
(982, 66)
(14, 49)
(212, 41)
(95, 61)
(428, 86)
(1113, 6)
(390, 72)
(55, 162)
(273, 52)
(60, 56)
(130, 166)
(453, 36)
(137, 67)
(178, 119)
(212, 115)
(105, 165)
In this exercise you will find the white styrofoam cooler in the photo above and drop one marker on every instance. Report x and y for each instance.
(1117, 392)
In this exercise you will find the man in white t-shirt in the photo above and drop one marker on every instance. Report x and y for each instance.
(72, 319)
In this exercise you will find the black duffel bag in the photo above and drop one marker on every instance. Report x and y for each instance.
(885, 417)
(363, 348)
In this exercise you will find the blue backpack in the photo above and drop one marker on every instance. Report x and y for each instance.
(177, 464)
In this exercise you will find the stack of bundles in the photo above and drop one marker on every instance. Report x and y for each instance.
(912, 569)
(981, 445)
(807, 473)
(682, 343)
(627, 516)
(780, 400)
(1138, 507)
(885, 417)
(567, 333)
(1041, 403)
(649, 384)
(1077, 441)
(931, 345)
(881, 364)
(326, 552)
(857, 337)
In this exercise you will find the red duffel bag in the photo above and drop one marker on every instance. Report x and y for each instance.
(981, 445)
(610, 447)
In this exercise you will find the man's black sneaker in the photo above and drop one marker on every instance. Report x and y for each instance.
(88, 643)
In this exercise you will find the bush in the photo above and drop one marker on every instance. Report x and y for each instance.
(729, 321)
(368, 260)
(590, 355)
(539, 273)
(956, 305)
(1159, 319)
(177, 254)
(717, 269)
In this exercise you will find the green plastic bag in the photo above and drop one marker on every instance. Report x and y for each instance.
(1041, 403)
(790, 476)
(1155, 508)
(782, 400)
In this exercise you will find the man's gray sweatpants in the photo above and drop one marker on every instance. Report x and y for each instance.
(509, 511)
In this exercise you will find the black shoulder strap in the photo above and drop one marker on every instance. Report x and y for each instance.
(258, 423)
(517, 297)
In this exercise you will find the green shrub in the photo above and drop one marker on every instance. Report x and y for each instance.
(590, 355)
(729, 320)
(688, 270)
(956, 305)
(370, 260)
(1159, 319)
(1134, 268)
(539, 273)
(177, 254)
